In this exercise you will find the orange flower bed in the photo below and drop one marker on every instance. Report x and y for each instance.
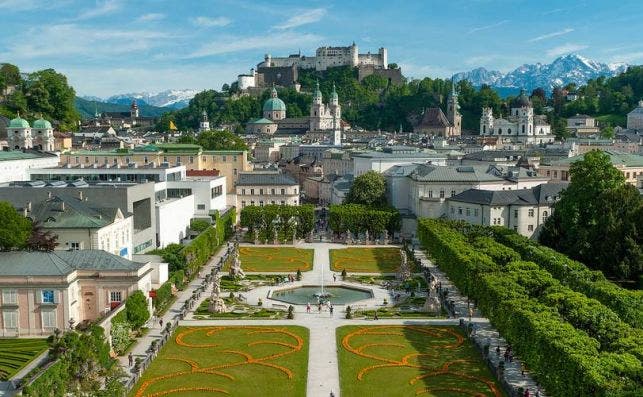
(443, 339)
(293, 342)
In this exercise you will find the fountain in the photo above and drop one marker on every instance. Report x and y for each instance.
(322, 296)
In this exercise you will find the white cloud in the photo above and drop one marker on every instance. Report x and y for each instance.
(550, 35)
(25, 5)
(103, 8)
(493, 25)
(70, 40)
(150, 17)
(303, 18)
(211, 22)
(630, 57)
(565, 49)
(229, 44)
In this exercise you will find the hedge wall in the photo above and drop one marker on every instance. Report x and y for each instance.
(359, 218)
(627, 304)
(252, 216)
(576, 345)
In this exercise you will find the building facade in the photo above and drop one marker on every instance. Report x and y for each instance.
(631, 165)
(266, 187)
(16, 164)
(635, 118)
(327, 57)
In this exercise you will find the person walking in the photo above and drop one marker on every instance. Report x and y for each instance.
(319, 307)
(330, 309)
(308, 307)
(161, 322)
(334, 277)
(130, 358)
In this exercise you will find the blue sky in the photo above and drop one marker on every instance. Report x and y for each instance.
(115, 46)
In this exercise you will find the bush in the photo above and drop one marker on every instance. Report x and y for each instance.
(252, 216)
(136, 310)
(349, 312)
(359, 218)
(121, 337)
(199, 225)
(291, 312)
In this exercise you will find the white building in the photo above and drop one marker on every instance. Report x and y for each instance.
(635, 118)
(521, 126)
(390, 156)
(83, 225)
(266, 187)
(326, 117)
(15, 164)
(524, 211)
(204, 124)
(173, 216)
(327, 57)
(20, 135)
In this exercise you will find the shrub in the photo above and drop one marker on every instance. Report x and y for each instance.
(121, 337)
(199, 225)
(298, 275)
(291, 312)
(349, 312)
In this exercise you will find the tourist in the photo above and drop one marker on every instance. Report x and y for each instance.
(498, 350)
(161, 322)
(308, 307)
(130, 358)
(330, 309)
(334, 277)
(538, 392)
(375, 317)
(319, 307)
(527, 393)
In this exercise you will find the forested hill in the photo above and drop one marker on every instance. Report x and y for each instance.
(87, 109)
(44, 92)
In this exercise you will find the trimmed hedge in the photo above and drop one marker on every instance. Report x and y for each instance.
(552, 328)
(626, 303)
(359, 218)
(252, 216)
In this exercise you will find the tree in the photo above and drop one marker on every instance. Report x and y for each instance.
(221, 140)
(136, 309)
(41, 239)
(598, 218)
(368, 189)
(15, 229)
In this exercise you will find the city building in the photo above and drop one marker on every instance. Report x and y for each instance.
(328, 57)
(337, 161)
(635, 118)
(521, 126)
(204, 124)
(45, 291)
(631, 165)
(266, 187)
(80, 224)
(390, 156)
(21, 135)
(582, 125)
(434, 122)
(15, 164)
(229, 163)
(524, 210)
(122, 120)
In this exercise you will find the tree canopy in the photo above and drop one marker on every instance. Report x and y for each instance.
(598, 219)
(216, 140)
(15, 230)
(368, 189)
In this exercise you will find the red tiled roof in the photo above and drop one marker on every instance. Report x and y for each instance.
(202, 173)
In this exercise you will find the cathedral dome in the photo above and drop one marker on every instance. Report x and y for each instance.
(19, 123)
(41, 124)
(274, 104)
(521, 101)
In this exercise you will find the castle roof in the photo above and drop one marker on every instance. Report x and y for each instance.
(521, 101)
(274, 103)
(41, 124)
(19, 123)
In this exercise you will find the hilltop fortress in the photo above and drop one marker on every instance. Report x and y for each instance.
(283, 71)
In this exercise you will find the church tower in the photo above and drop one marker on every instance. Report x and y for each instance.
(336, 113)
(453, 111)
(19, 134)
(133, 110)
(486, 121)
(43, 135)
(204, 125)
(317, 110)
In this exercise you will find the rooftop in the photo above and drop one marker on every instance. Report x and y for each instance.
(9, 155)
(264, 178)
(61, 263)
(545, 193)
(617, 159)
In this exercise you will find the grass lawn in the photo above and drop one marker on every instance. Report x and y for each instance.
(365, 260)
(275, 259)
(234, 361)
(15, 354)
(399, 360)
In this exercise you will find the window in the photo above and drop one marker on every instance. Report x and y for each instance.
(531, 212)
(234, 158)
(555, 174)
(452, 210)
(200, 206)
(515, 213)
(48, 318)
(261, 204)
(272, 191)
(430, 193)
(283, 202)
(523, 129)
(145, 160)
(127, 160)
(178, 159)
(459, 210)
(234, 172)
(115, 161)
(261, 192)
(475, 212)
(272, 202)
(165, 159)
(452, 193)
(216, 191)
(191, 159)
(87, 159)
(9, 297)
(515, 228)
(548, 173)
(204, 159)
(10, 319)
(545, 216)
(243, 191)
(441, 194)
(468, 211)
(223, 157)
(74, 245)
(252, 192)
(252, 203)
(295, 190)
(77, 159)
(115, 296)
(283, 192)
(47, 296)
(530, 228)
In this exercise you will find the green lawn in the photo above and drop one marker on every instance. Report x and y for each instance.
(365, 260)
(17, 353)
(275, 259)
(399, 360)
(234, 361)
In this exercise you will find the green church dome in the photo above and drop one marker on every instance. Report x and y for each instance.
(41, 124)
(19, 123)
(274, 104)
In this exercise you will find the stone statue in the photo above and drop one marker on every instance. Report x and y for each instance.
(256, 232)
(348, 239)
(404, 272)
(385, 237)
(235, 267)
(367, 238)
(275, 233)
(217, 304)
(216, 285)
(432, 303)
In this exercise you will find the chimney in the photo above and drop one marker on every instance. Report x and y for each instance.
(80, 195)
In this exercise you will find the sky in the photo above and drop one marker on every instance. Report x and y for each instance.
(108, 47)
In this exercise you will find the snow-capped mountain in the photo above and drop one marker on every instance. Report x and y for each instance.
(176, 99)
(170, 98)
(571, 68)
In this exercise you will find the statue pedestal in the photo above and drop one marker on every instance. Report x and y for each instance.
(217, 305)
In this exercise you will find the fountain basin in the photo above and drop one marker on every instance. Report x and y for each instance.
(338, 295)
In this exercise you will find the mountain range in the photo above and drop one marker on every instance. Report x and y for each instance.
(571, 68)
(170, 99)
